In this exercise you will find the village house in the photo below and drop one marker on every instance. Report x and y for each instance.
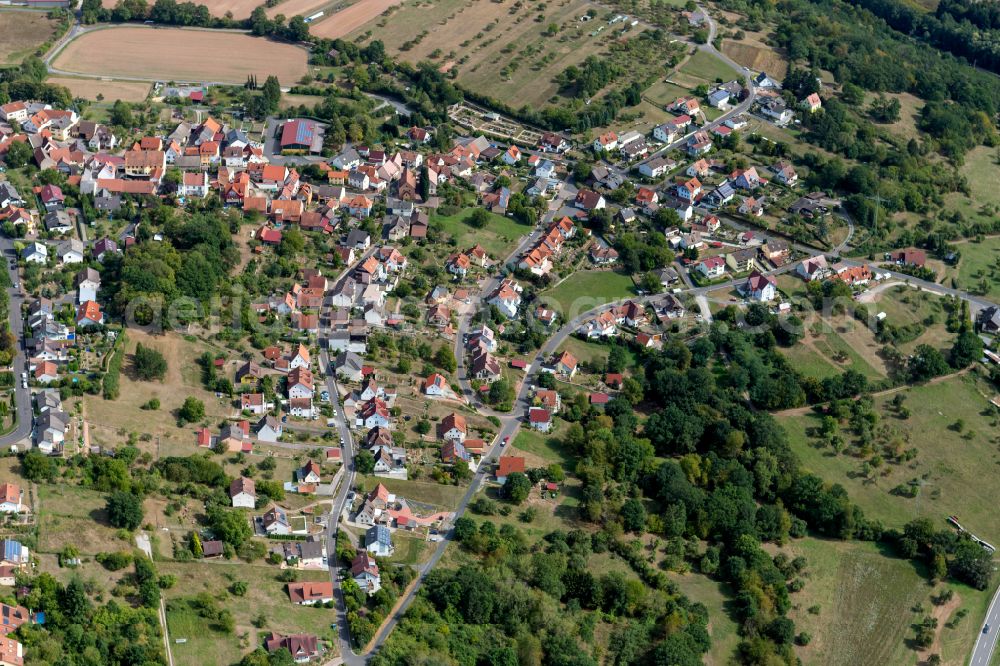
(507, 465)
(268, 429)
(759, 287)
(302, 647)
(453, 427)
(565, 364)
(813, 268)
(378, 541)
(311, 593)
(275, 521)
(436, 385)
(11, 498)
(243, 493)
(712, 267)
(539, 419)
(364, 571)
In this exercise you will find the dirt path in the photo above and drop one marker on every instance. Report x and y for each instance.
(941, 614)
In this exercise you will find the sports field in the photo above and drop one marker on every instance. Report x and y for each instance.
(21, 33)
(174, 54)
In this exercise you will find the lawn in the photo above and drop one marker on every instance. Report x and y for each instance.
(427, 492)
(499, 237)
(664, 93)
(585, 290)
(704, 66)
(864, 600)
(979, 262)
(266, 596)
(410, 548)
(952, 469)
(541, 445)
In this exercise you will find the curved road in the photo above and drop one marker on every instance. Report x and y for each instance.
(22, 396)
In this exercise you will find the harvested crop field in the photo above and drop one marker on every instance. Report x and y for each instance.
(174, 54)
(127, 91)
(22, 33)
(348, 20)
(752, 52)
(240, 8)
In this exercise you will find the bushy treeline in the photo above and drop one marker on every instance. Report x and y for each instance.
(171, 12)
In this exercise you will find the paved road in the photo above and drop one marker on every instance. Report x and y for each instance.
(987, 642)
(23, 396)
(740, 108)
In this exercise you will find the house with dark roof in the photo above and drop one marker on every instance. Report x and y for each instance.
(378, 541)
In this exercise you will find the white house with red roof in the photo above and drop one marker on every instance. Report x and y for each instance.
(712, 267)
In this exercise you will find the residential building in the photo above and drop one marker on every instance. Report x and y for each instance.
(243, 493)
(311, 593)
(760, 287)
(11, 498)
(378, 541)
(453, 427)
(507, 465)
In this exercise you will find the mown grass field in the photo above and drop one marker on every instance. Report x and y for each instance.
(980, 169)
(22, 33)
(716, 597)
(850, 340)
(71, 515)
(499, 237)
(909, 112)
(586, 290)
(903, 306)
(705, 66)
(265, 596)
(428, 492)
(864, 600)
(542, 445)
(109, 419)
(955, 470)
(979, 261)
(810, 362)
(110, 91)
(752, 52)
